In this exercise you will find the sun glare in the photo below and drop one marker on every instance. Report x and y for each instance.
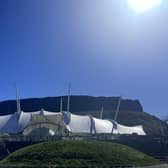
(141, 6)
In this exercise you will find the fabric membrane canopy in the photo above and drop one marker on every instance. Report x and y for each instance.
(89, 124)
(16, 123)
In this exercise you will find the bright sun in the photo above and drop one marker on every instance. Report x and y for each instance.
(141, 6)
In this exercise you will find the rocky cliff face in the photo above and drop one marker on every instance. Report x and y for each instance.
(77, 104)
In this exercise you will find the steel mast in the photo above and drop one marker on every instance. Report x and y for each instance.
(68, 101)
(18, 102)
(101, 113)
(117, 110)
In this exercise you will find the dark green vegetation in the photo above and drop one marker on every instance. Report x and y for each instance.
(77, 154)
(11, 146)
(77, 104)
(131, 111)
(153, 146)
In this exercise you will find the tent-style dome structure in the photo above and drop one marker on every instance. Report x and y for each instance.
(45, 123)
(25, 122)
(56, 123)
(9, 123)
(92, 125)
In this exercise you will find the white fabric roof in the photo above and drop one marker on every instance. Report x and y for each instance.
(24, 120)
(3, 120)
(89, 124)
(103, 126)
(15, 123)
(48, 113)
(130, 130)
(77, 123)
(25, 117)
(9, 123)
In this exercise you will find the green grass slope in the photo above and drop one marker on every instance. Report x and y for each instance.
(77, 154)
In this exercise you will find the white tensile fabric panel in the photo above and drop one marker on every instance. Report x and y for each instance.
(24, 120)
(103, 126)
(48, 113)
(3, 120)
(130, 130)
(14, 123)
(79, 124)
(88, 124)
(35, 112)
(11, 126)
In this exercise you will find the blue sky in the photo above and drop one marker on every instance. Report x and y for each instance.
(103, 48)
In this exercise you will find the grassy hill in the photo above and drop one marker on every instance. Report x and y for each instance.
(77, 154)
